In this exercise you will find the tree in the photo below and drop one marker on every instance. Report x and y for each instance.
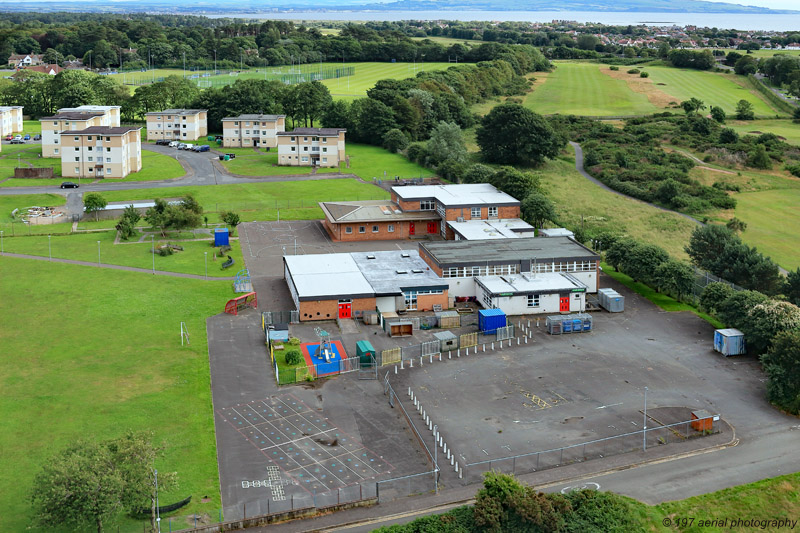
(745, 65)
(447, 142)
(744, 110)
(395, 140)
(693, 106)
(504, 504)
(782, 366)
(718, 114)
(707, 243)
(310, 101)
(617, 252)
(512, 134)
(760, 158)
(80, 486)
(230, 219)
(792, 289)
(728, 136)
(643, 260)
(157, 217)
(593, 510)
(675, 277)
(515, 182)
(587, 41)
(94, 203)
(165, 216)
(127, 222)
(734, 311)
(537, 209)
(766, 320)
(478, 173)
(714, 294)
(736, 225)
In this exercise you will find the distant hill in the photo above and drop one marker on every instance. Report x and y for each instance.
(209, 7)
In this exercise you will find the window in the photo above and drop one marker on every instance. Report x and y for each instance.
(427, 205)
(362, 229)
(325, 139)
(236, 132)
(158, 118)
(89, 138)
(184, 134)
(247, 132)
(493, 212)
(235, 122)
(108, 139)
(305, 139)
(315, 139)
(108, 171)
(65, 124)
(304, 159)
(77, 139)
(90, 158)
(305, 148)
(293, 148)
(375, 229)
(292, 139)
(77, 159)
(108, 148)
(487, 299)
(55, 141)
(108, 160)
(348, 229)
(533, 300)
(324, 150)
(475, 212)
(55, 150)
(90, 148)
(56, 123)
(247, 123)
(390, 228)
(324, 159)
(77, 170)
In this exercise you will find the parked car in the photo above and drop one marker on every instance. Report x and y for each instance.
(27, 137)
(162, 142)
(181, 146)
(174, 144)
(18, 136)
(69, 185)
(9, 137)
(37, 137)
(188, 146)
(17, 141)
(204, 148)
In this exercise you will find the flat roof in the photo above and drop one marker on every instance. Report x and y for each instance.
(320, 132)
(371, 211)
(505, 251)
(178, 112)
(255, 117)
(74, 115)
(507, 228)
(555, 232)
(456, 195)
(102, 130)
(90, 108)
(390, 273)
(520, 284)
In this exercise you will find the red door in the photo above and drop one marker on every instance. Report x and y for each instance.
(344, 310)
(411, 228)
(432, 227)
(564, 304)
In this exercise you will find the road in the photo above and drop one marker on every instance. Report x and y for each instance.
(202, 168)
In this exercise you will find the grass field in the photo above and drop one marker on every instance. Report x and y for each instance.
(772, 220)
(582, 89)
(68, 381)
(366, 161)
(783, 128)
(716, 89)
(22, 201)
(449, 41)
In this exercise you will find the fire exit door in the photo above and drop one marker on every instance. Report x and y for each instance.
(563, 304)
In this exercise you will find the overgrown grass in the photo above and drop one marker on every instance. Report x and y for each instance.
(664, 301)
(98, 356)
(582, 89)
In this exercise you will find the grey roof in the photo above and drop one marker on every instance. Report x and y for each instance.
(371, 211)
(74, 115)
(389, 273)
(178, 112)
(505, 251)
(102, 130)
(462, 194)
(506, 228)
(319, 132)
(256, 117)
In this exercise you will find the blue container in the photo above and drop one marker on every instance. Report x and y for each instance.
(577, 325)
(491, 319)
(221, 237)
(566, 326)
(729, 342)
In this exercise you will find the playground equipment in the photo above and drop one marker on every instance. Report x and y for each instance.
(242, 283)
(241, 302)
(324, 350)
(229, 263)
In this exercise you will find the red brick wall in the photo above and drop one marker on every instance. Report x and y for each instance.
(329, 309)
(425, 257)
(511, 211)
(383, 233)
(425, 302)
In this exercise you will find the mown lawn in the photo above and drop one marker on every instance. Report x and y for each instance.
(367, 74)
(772, 221)
(98, 356)
(84, 247)
(575, 88)
(155, 166)
(782, 128)
(721, 90)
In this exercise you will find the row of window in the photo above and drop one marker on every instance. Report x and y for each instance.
(422, 292)
(573, 266)
(313, 139)
(89, 148)
(304, 159)
(90, 159)
(78, 170)
(475, 212)
(375, 229)
(170, 125)
(314, 149)
(236, 123)
(169, 117)
(475, 271)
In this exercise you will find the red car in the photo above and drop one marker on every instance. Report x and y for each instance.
(9, 137)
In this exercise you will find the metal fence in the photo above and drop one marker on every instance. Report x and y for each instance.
(287, 376)
(595, 449)
(703, 278)
(268, 318)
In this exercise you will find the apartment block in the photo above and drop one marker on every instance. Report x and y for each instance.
(305, 147)
(177, 124)
(252, 130)
(101, 152)
(11, 120)
(66, 121)
(111, 112)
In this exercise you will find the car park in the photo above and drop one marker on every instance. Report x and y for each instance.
(17, 141)
(188, 146)
(18, 136)
(204, 148)
(69, 185)
(37, 137)
(181, 146)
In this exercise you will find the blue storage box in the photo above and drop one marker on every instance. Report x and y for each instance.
(221, 237)
(491, 319)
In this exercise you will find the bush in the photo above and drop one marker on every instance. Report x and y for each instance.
(794, 170)
(644, 74)
(634, 71)
(613, 67)
(292, 357)
(294, 341)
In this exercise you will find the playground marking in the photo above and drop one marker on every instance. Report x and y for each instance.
(303, 445)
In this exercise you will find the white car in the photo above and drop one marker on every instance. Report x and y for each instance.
(18, 136)
(188, 146)
(181, 146)
(173, 144)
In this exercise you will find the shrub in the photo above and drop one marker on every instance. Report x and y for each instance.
(634, 71)
(794, 170)
(644, 74)
(294, 341)
(292, 357)
(613, 67)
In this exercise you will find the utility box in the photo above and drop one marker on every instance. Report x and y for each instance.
(611, 300)
(365, 353)
(491, 319)
(278, 332)
(447, 340)
(729, 342)
(702, 420)
(449, 319)
(221, 237)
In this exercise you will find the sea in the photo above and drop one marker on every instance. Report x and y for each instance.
(749, 21)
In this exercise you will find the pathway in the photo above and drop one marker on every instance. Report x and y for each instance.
(119, 267)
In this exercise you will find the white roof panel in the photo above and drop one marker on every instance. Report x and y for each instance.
(458, 194)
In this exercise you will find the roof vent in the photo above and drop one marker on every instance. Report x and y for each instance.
(370, 257)
(404, 254)
(417, 271)
(398, 212)
(460, 219)
(402, 271)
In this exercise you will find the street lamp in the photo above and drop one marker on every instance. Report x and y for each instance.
(153, 251)
(644, 432)
(1, 243)
(98, 253)
(215, 62)
(49, 248)
(436, 458)
(158, 511)
(206, 258)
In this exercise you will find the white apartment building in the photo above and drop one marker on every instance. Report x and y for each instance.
(303, 147)
(101, 152)
(112, 113)
(54, 126)
(252, 130)
(177, 124)
(11, 119)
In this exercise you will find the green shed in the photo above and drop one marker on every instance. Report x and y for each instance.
(365, 353)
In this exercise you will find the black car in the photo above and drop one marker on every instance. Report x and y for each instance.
(162, 142)
(37, 137)
(69, 185)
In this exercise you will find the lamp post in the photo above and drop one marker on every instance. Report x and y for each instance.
(436, 458)
(98, 253)
(206, 257)
(153, 251)
(1, 244)
(215, 62)
(184, 64)
(49, 248)
(644, 432)
(158, 511)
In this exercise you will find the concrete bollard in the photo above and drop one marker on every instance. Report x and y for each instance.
(395, 369)
(492, 345)
(517, 341)
(420, 360)
(424, 416)
(411, 363)
(526, 340)
(449, 355)
(430, 426)
(448, 455)
(410, 393)
(529, 323)
(484, 347)
(445, 447)
(431, 361)
(401, 364)
(441, 440)
(509, 342)
(456, 466)
(452, 459)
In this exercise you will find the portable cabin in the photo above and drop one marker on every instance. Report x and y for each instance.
(491, 319)
(729, 342)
